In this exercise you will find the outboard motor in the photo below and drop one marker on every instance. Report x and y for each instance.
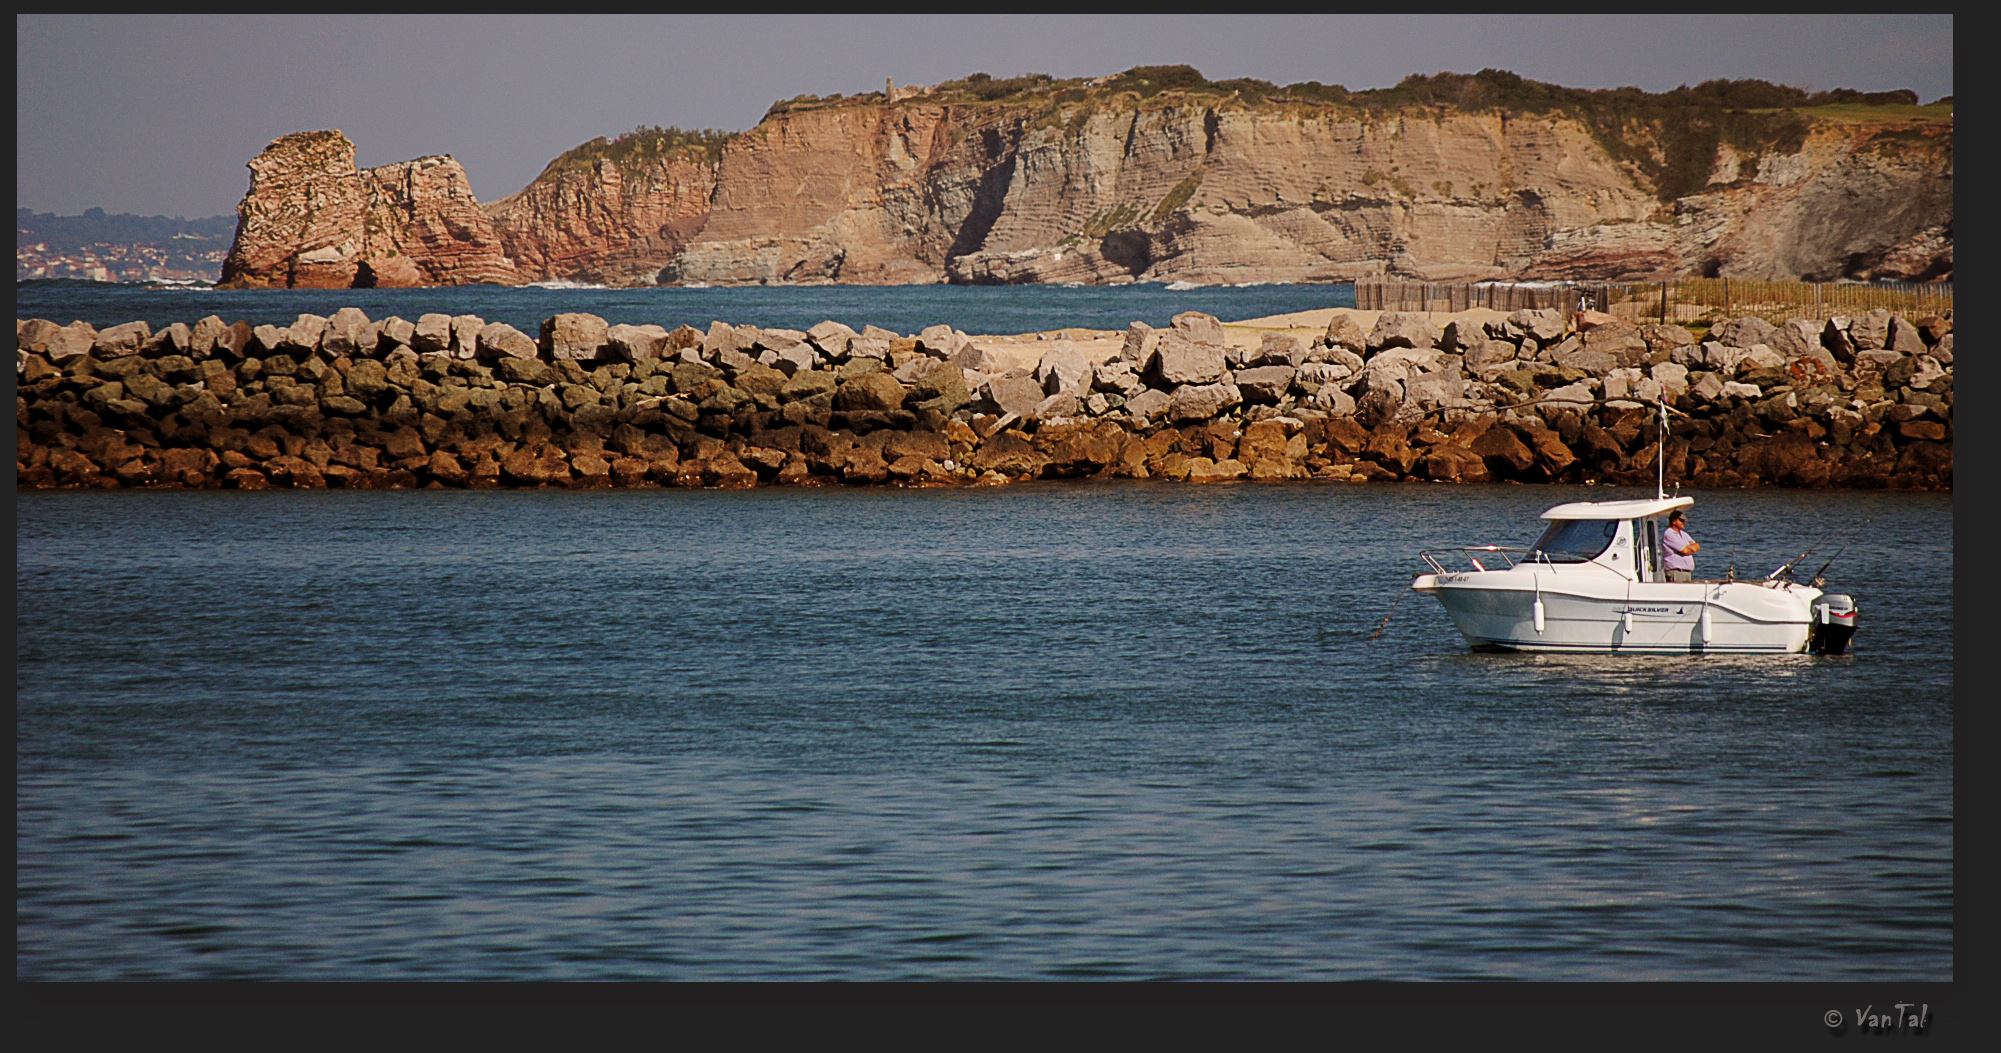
(1833, 624)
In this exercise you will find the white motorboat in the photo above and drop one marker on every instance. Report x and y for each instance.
(1595, 583)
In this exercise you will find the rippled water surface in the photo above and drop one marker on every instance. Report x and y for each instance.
(991, 309)
(1045, 731)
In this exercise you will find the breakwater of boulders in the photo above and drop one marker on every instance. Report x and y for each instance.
(1534, 396)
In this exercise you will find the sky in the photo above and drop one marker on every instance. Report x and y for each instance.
(158, 114)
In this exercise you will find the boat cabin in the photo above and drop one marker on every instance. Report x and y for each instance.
(1621, 536)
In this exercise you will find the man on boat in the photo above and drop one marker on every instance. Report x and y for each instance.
(1681, 548)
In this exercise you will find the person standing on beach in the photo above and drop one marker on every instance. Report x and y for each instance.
(1681, 548)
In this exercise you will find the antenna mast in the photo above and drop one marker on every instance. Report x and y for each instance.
(1660, 471)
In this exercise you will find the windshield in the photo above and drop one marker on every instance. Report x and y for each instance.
(1574, 540)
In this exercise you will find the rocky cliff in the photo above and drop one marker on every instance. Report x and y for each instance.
(611, 211)
(1159, 175)
(313, 221)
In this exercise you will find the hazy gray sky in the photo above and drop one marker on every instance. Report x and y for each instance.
(157, 114)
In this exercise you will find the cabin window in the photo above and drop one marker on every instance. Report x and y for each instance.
(1574, 540)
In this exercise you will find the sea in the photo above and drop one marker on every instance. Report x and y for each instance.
(976, 309)
(1049, 731)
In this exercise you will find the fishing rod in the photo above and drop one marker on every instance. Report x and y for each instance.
(1820, 576)
(1811, 549)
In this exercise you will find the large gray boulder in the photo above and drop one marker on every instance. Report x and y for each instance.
(1198, 327)
(1202, 401)
(940, 341)
(1670, 376)
(465, 335)
(1797, 337)
(1429, 389)
(1487, 359)
(1264, 383)
(70, 341)
(1181, 360)
(1403, 329)
(978, 359)
(393, 332)
(779, 339)
(207, 330)
(832, 338)
(1746, 331)
(1321, 374)
(1280, 349)
(1148, 405)
(1835, 338)
(1871, 331)
(1596, 363)
(499, 341)
(1064, 368)
(302, 337)
(1014, 394)
(1543, 325)
(1460, 334)
(575, 335)
(121, 340)
(432, 335)
(1624, 343)
(1905, 338)
(941, 387)
(1342, 332)
(637, 343)
(1141, 342)
(1759, 356)
(349, 333)
(1118, 378)
(874, 342)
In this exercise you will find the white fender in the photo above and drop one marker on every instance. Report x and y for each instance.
(1538, 614)
(1705, 623)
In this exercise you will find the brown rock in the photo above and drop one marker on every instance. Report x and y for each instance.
(1930, 431)
(1081, 449)
(1009, 454)
(448, 469)
(1504, 453)
(1454, 464)
(311, 220)
(1204, 470)
(872, 391)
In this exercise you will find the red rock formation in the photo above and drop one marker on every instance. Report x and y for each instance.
(1089, 185)
(312, 221)
(608, 215)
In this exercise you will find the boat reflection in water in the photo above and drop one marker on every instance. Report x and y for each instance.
(1595, 583)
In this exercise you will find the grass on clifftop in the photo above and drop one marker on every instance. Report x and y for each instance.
(646, 145)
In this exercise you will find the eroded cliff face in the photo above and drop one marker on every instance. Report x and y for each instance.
(1856, 201)
(1115, 190)
(912, 193)
(595, 219)
(871, 194)
(313, 221)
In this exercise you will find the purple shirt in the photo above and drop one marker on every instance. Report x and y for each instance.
(1675, 541)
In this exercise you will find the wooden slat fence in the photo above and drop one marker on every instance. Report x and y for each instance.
(1683, 301)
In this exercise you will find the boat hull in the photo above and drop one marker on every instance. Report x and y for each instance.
(1614, 617)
